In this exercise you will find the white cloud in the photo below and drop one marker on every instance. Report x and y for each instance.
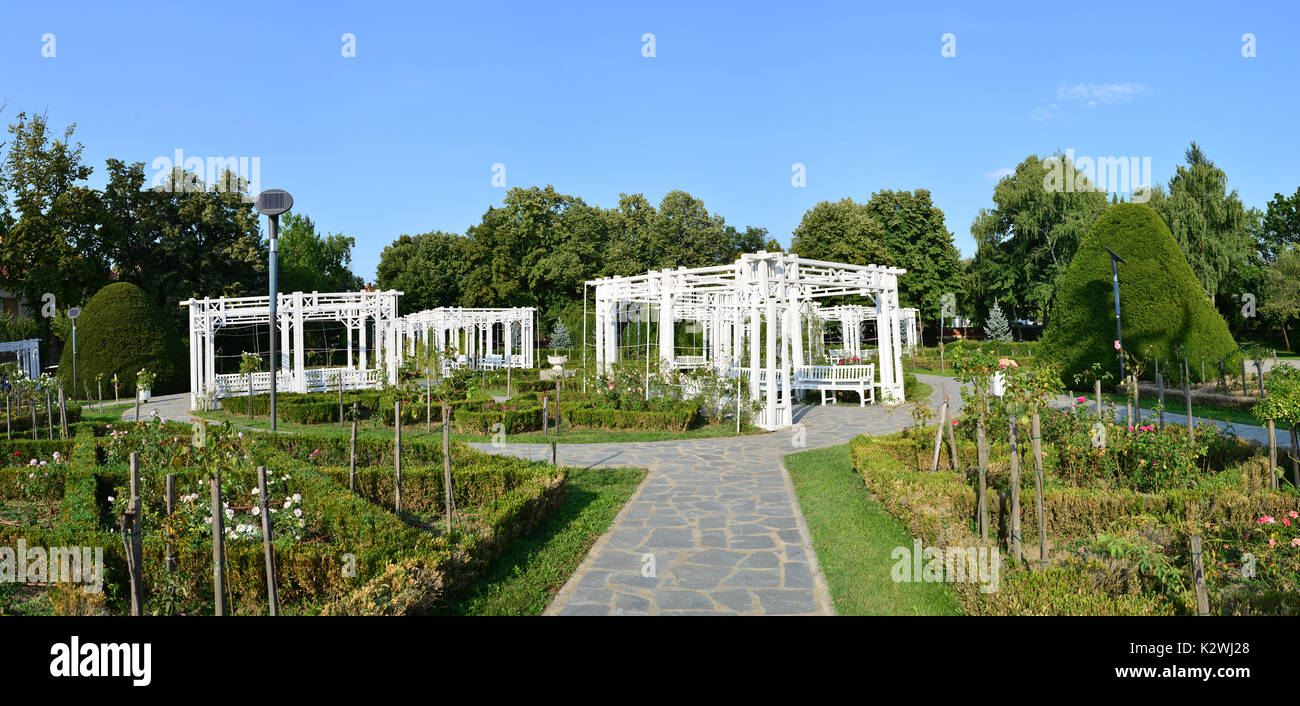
(1045, 112)
(997, 176)
(1091, 95)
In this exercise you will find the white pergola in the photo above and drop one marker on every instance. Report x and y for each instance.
(29, 355)
(364, 314)
(852, 316)
(758, 305)
(471, 335)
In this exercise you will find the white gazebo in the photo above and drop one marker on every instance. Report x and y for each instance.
(29, 355)
(475, 338)
(363, 314)
(851, 317)
(758, 306)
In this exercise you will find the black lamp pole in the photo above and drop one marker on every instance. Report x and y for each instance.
(272, 203)
(1119, 327)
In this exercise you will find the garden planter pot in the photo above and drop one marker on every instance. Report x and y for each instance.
(143, 394)
(557, 361)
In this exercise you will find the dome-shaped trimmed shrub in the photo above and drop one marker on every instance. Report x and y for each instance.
(120, 331)
(1163, 304)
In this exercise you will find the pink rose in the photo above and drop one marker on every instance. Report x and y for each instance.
(1117, 346)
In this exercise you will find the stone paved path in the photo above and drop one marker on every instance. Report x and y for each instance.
(718, 518)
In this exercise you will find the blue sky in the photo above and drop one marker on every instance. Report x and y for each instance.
(403, 137)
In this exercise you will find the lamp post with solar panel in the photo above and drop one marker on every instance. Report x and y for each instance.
(272, 203)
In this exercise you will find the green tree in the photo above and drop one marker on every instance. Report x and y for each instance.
(682, 233)
(424, 268)
(1280, 226)
(1280, 303)
(1208, 222)
(50, 243)
(841, 231)
(309, 262)
(918, 241)
(182, 238)
(1026, 242)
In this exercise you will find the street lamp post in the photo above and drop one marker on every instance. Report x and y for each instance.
(272, 203)
(73, 313)
(1115, 260)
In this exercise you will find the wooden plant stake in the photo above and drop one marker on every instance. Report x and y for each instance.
(171, 510)
(340, 401)
(1036, 441)
(63, 414)
(1160, 385)
(271, 595)
(1187, 394)
(116, 400)
(352, 452)
(133, 539)
(446, 464)
(49, 414)
(218, 546)
(1202, 371)
(952, 449)
(99, 384)
(1272, 455)
(34, 427)
(938, 436)
(1259, 377)
(1096, 391)
(9, 432)
(397, 457)
(1198, 577)
(137, 406)
(1295, 456)
(1015, 490)
(546, 419)
(982, 458)
(553, 454)
(1244, 391)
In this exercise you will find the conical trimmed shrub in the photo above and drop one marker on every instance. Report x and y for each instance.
(1161, 302)
(121, 331)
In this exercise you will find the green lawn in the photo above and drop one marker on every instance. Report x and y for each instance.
(1174, 404)
(854, 536)
(525, 579)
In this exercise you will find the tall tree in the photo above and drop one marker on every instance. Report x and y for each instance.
(683, 233)
(50, 241)
(918, 241)
(426, 268)
(1280, 226)
(1025, 243)
(1280, 303)
(1208, 221)
(841, 231)
(313, 263)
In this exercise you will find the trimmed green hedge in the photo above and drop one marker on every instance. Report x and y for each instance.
(940, 509)
(679, 418)
(501, 498)
(1163, 304)
(22, 422)
(119, 332)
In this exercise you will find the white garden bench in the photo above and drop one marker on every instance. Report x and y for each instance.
(833, 378)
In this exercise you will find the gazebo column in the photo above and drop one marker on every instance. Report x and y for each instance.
(210, 356)
(361, 350)
(348, 361)
(195, 342)
(755, 358)
(285, 348)
(299, 357)
(666, 353)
